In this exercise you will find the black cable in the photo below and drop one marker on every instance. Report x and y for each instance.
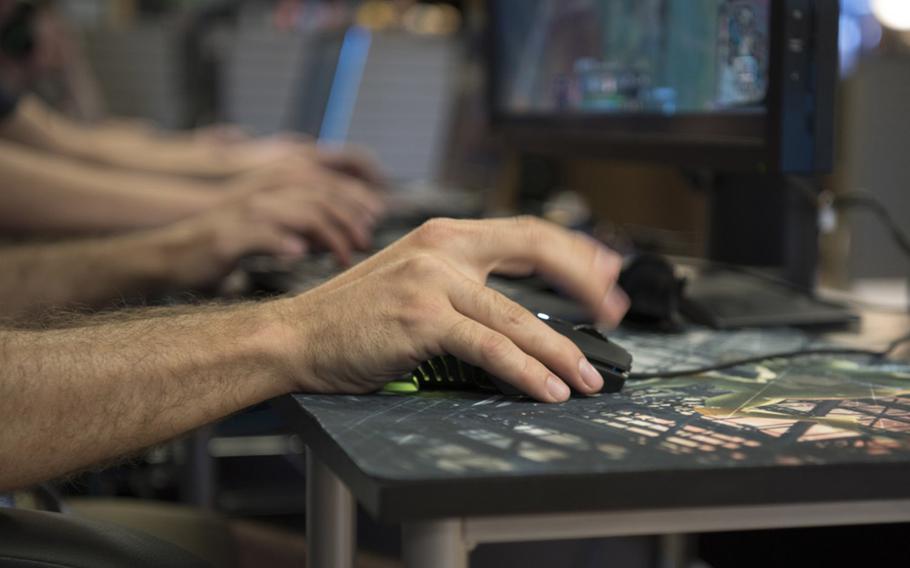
(855, 200)
(832, 351)
(779, 281)
(861, 201)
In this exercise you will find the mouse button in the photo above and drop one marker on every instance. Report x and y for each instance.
(583, 339)
(604, 352)
(558, 325)
(612, 382)
(592, 331)
(618, 356)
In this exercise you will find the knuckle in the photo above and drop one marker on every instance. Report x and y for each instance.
(422, 267)
(417, 309)
(459, 331)
(528, 222)
(412, 313)
(435, 232)
(513, 314)
(530, 228)
(493, 347)
(568, 351)
(528, 372)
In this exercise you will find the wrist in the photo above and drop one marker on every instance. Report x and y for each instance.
(287, 340)
(183, 255)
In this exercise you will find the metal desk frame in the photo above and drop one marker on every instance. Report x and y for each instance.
(447, 542)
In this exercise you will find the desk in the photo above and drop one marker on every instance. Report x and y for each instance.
(808, 442)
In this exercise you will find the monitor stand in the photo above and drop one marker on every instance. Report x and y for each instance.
(766, 223)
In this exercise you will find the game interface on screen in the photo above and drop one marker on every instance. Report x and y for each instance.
(633, 56)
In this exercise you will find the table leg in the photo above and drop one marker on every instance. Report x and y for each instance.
(435, 544)
(330, 518)
(673, 551)
(197, 485)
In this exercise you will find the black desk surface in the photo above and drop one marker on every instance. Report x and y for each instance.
(806, 430)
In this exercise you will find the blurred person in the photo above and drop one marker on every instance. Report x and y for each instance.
(68, 176)
(213, 154)
(48, 193)
(60, 71)
(35, 40)
(194, 254)
(90, 390)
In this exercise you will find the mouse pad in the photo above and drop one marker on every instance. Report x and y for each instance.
(814, 410)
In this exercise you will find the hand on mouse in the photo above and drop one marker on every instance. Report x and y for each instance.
(425, 296)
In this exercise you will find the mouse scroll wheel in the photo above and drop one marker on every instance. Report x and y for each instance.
(591, 330)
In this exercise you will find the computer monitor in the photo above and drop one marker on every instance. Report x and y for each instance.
(741, 88)
(733, 85)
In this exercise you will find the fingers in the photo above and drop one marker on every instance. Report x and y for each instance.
(492, 351)
(357, 229)
(336, 224)
(340, 189)
(325, 233)
(574, 262)
(615, 306)
(310, 177)
(354, 162)
(274, 241)
(355, 192)
(527, 332)
(344, 185)
(329, 224)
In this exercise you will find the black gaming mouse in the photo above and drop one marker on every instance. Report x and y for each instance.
(654, 292)
(448, 373)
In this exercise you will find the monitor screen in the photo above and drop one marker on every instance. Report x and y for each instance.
(631, 57)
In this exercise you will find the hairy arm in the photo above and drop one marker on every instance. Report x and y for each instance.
(99, 389)
(37, 125)
(95, 391)
(87, 273)
(191, 254)
(41, 193)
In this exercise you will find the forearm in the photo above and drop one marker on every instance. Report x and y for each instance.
(52, 195)
(93, 272)
(77, 397)
(137, 149)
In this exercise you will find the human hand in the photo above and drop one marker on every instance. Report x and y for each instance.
(425, 296)
(353, 161)
(295, 150)
(310, 178)
(280, 222)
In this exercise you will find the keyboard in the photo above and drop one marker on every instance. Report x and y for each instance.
(728, 299)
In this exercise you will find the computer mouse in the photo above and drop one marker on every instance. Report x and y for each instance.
(448, 373)
(654, 292)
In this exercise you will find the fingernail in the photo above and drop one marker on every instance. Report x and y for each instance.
(590, 375)
(294, 247)
(557, 389)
